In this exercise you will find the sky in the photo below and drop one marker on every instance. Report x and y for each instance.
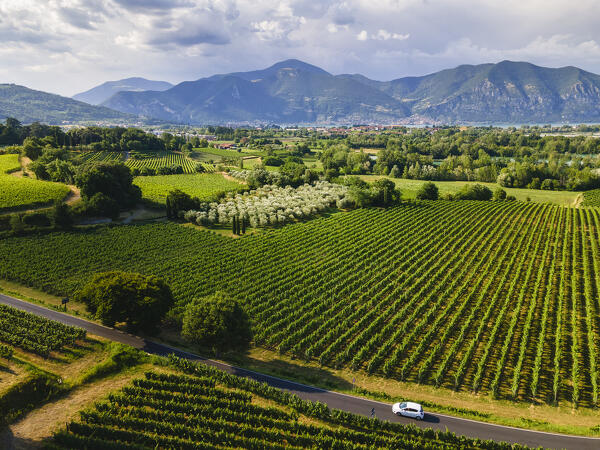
(68, 46)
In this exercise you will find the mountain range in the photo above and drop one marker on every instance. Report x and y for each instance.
(294, 92)
(101, 93)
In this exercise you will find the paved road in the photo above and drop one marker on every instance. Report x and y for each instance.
(337, 400)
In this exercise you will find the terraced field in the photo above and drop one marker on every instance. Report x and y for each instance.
(496, 297)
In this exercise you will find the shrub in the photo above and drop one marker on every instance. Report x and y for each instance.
(273, 161)
(428, 191)
(499, 194)
(36, 219)
(474, 192)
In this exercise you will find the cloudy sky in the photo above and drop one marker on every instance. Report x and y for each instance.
(66, 46)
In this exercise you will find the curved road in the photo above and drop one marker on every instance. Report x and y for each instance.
(336, 400)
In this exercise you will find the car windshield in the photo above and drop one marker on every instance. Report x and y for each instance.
(403, 405)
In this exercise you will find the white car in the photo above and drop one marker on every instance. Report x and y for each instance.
(408, 409)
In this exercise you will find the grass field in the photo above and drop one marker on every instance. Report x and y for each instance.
(409, 189)
(490, 297)
(203, 186)
(22, 192)
(217, 153)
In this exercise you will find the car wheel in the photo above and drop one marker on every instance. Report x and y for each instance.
(419, 418)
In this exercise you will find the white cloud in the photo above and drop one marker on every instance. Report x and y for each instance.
(384, 35)
(69, 45)
(268, 30)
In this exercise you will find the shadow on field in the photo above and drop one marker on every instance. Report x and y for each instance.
(298, 373)
(8, 441)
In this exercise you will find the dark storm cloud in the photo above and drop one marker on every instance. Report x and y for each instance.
(187, 38)
(78, 18)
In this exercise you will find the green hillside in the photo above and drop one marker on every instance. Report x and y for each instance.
(28, 105)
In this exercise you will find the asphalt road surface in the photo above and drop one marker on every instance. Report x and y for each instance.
(336, 400)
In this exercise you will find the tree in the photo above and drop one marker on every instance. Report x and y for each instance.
(61, 216)
(114, 180)
(474, 192)
(395, 172)
(428, 191)
(177, 200)
(217, 322)
(384, 193)
(499, 194)
(32, 148)
(102, 205)
(138, 300)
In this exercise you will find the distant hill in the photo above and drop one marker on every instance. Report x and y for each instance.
(509, 92)
(296, 92)
(28, 105)
(101, 93)
(287, 92)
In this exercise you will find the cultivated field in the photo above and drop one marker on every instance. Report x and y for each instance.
(203, 186)
(491, 297)
(163, 159)
(101, 156)
(216, 410)
(9, 163)
(409, 189)
(18, 192)
(591, 198)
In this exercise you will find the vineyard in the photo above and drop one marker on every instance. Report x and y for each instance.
(16, 192)
(591, 198)
(203, 186)
(490, 297)
(216, 410)
(101, 156)
(34, 334)
(9, 163)
(162, 159)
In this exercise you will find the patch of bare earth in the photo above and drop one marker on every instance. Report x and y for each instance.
(35, 427)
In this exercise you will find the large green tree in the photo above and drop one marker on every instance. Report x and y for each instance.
(217, 322)
(138, 300)
(112, 179)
